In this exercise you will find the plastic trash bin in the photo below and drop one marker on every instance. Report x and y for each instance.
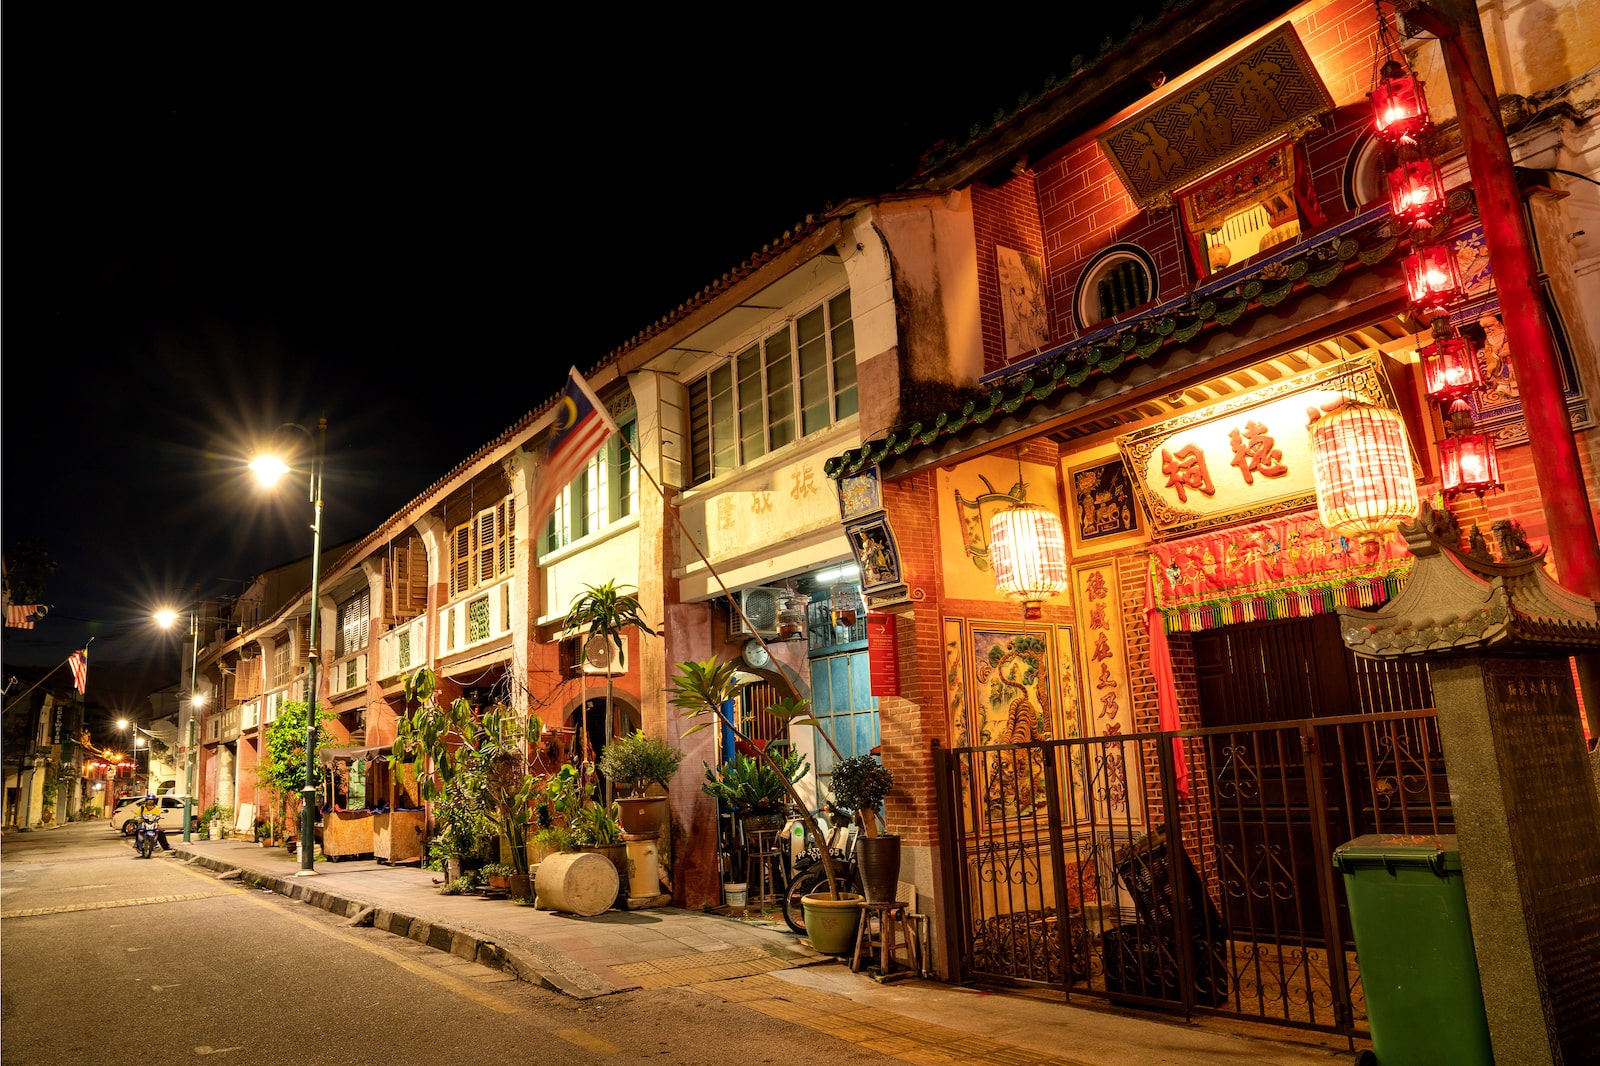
(1408, 909)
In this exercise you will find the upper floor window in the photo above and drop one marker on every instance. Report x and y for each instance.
(1115, 281)
(354, 615)
(483, 550)
(280, 663)
(606, 491)
(798, 379)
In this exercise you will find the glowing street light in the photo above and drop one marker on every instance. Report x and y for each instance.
(269, 470)
(165, 619)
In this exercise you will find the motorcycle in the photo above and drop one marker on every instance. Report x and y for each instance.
(149, 834)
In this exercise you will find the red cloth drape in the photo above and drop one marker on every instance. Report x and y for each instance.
(1166, 684)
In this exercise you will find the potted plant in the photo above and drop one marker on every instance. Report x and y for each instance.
(634, 763)
(498, 875)
(756, 788)
(607, 611)
(481, 752)
(702, 690)
(860, 784)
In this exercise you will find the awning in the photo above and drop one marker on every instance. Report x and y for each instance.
(329, 756)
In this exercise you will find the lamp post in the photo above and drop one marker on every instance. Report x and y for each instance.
(164, 618)
(268, 470)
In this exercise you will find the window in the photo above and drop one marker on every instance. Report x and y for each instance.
(354, 629)
(795, 381)
(280, 663)
(483, 550)
(606, 491)
(1115, 281)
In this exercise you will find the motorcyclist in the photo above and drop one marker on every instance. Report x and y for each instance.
(152, 807)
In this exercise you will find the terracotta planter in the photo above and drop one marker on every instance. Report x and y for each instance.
(879, 861)
(642, 815)
(520, 886)
(831, 923)
(499, 882)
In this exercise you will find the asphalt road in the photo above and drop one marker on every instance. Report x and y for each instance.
(110, 959)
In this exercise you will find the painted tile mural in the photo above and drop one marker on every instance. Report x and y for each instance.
(1108, 702)
(1013, 702)
(955, 682)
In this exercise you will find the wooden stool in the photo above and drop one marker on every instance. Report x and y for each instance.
(893, 925)
(764, 871)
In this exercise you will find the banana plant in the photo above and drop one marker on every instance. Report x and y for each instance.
(704, 689)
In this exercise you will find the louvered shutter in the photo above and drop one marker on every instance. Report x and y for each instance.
(405, 583)
(303, 639)
(508, 540)
(248, 685)
(486, 541)
(460, 559)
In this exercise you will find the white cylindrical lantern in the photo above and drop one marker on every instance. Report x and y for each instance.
(1028, 552)
(1362, 465)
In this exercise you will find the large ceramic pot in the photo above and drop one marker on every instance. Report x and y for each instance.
(878, 858)
(831, 923)
(641, 816)
(521, 886)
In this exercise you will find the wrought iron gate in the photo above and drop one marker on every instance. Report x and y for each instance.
(1223, 902)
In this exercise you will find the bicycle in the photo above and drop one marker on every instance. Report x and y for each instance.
(810, 876)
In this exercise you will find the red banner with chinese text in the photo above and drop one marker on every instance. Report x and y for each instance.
(1284, 567)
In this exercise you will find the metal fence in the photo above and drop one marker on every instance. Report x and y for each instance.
(1225, 901)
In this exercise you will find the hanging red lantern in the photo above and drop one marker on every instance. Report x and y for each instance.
(1432, 278)
(1468, 463)
(1361, 464)
(1416, 192)
(1028, 554)
(1399, 108)
(1450, 367)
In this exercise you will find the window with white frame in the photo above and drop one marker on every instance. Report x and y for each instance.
(483, 550)
(606, 491)
(280, 663)
(798, 379)
(354, 628)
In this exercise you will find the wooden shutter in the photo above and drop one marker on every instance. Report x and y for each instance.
(302, 639)
(405, 583)
(460, 559)
(248, 683)
(507, 542)
(484, 543)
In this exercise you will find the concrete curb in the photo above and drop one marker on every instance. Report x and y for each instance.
(529, 961)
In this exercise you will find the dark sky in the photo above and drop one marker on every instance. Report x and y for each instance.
(215, 223)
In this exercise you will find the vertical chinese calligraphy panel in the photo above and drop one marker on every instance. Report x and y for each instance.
(1107, 699)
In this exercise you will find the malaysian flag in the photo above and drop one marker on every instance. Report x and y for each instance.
(80, 668)
(581, 426)
(20, 615)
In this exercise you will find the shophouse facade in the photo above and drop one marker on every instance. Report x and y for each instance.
(1163, 281)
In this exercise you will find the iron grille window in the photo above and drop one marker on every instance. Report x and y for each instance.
(795, 381)
(1117, 280)
(350, 673)
(280, 663)
(405, 649)
(1124, 287)
(478, 619)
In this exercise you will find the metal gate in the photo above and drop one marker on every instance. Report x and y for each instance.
(1224, 902)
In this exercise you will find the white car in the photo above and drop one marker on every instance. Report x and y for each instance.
(125, 818)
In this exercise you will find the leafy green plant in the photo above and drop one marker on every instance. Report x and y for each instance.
(282, 769)
(496, 869)
(481, 752)
(637, 760)
(703, 689)
(595, 826)
(216, 813)
(860, 784)
(752, 783)
(554, 838)
(461, 886)
(607, 611)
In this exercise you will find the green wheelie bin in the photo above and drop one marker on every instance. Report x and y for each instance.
(1408, 909)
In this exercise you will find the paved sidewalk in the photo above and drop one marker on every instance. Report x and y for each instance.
(761, 965)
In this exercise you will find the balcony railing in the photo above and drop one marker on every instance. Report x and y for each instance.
(403, 649)
(477, 618)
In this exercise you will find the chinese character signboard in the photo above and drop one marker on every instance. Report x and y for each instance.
(1244, 458)
(1268, 91)
(1107, 694)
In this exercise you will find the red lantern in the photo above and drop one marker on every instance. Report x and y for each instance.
(1416, 192)
(1028, 554)
(1432, 278)
(1399, 109)
(1361, 464)
(1451, 369)
(1468, 463)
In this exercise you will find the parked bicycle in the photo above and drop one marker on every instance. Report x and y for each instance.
(809, 876)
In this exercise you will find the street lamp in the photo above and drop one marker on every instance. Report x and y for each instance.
(123, 725)
(268, 470)
(165, 618)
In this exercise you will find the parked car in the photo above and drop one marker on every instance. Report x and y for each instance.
(125, 818)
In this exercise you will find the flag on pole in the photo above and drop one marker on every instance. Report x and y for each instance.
(20, 615)
(80, 668)
(581, 426)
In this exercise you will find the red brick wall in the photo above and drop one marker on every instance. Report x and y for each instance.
(1009, 218)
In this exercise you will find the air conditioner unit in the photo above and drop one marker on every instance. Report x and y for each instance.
(761, 606)
(583, 654)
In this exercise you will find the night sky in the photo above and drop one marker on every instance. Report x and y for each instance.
(410, 227)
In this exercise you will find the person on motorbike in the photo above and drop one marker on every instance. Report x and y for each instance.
(151, 806)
